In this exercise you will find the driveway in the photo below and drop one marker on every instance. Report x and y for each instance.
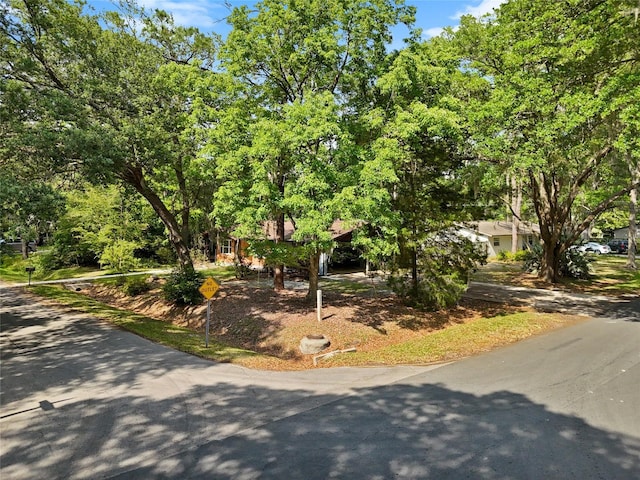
(81, 399)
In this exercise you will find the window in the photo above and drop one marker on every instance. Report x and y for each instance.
(226, 247)
(496, 242)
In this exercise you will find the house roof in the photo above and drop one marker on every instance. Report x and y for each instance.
(494, 228)
(339, 231)
(624, 231)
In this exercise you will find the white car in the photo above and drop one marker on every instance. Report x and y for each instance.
(594, 247)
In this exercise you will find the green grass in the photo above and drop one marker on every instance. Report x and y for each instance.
(609, 276)
(165, 333)
(12, 270)
(221, 273)
(459, 341)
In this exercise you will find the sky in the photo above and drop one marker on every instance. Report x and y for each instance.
(209, 15)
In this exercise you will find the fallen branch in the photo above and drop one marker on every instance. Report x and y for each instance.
(331, 354)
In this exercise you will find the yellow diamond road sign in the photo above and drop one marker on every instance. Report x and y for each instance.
(209, 288)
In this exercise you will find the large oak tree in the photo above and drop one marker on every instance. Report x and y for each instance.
(556, 72)
(110, 102)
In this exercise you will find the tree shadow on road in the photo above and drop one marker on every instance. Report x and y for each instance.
(223, 431)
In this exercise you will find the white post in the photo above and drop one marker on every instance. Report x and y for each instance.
(319, 304)
(206, 334)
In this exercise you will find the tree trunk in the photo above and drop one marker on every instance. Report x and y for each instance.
(314, 263)
(633, 209)
(185, 209)
(135, 177)
(278, 270)
(550, 263)
(24, 247)
(545, 201)
(414, 269)
(516, 208)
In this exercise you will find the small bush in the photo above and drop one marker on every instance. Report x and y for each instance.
(182, 288)
(436, 293)
(576, 264)
(520, 255)
(573, 263)
(508, 256)
(119, 256)
(135, 286)
(504, 255)
(8, 256)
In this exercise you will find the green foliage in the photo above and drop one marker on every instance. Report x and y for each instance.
(135, 285)
(559, 107)
(97, 217)
(573, 263)
(119, 257)
(509, 256)
(28, 208)
(504, 255)
(182, 288)
(434, 293)
(12, 264)
(301, 72)
(96, 96)
(6, 253)
(273, 253)
(443, 266)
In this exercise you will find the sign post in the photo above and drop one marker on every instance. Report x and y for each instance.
(208, 289)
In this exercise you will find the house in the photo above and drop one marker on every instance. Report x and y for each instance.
(228, 250)
(495, 235)
(624, 232)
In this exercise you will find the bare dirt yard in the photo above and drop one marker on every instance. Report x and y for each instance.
(254, 317)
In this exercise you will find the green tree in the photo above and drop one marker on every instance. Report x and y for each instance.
(28, 208)
(554, 69)
(301, 68)
(111, 103)
(415, 174)
(95, 220)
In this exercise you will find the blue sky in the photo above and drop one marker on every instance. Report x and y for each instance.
(208, 15)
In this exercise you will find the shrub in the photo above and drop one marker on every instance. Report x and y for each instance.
(135, 285)
(118, 256)
(508, 256)
(182, 288)
(573, 263)
(431, 294)
(520, 255)
(8, 255)
(504, 256)
(444, 263)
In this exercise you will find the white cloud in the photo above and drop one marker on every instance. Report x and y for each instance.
(194, 13)
(485, 6)
(432, 32)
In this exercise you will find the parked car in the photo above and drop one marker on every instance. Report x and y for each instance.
(594, 247)
(618, 245)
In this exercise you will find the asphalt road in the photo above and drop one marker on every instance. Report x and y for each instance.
(82, 400)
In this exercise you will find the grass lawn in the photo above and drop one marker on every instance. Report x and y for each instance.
(12, 270)
(609, 277)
